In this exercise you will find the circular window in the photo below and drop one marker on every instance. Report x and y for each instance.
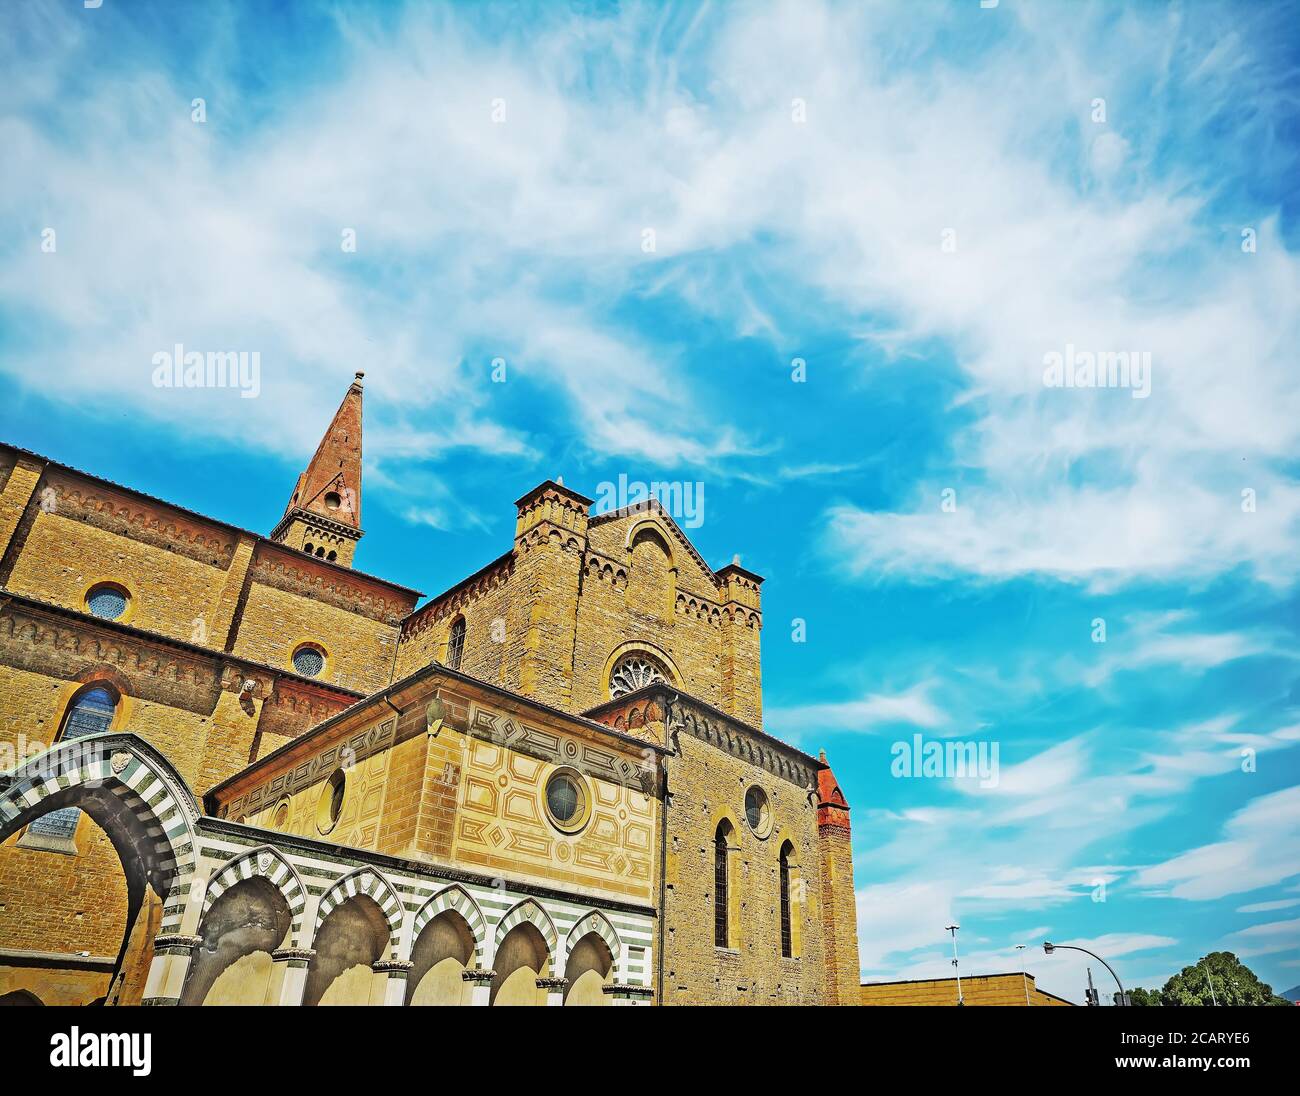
(308, 660)
(634, 672)
(566, 800)
(333, 501)
(107, 601)
(757, 811)
(330, 804)
(281, 819)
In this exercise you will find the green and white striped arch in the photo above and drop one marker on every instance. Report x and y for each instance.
(454, 898)
(266, 863)
(370, 883)
(130, 790)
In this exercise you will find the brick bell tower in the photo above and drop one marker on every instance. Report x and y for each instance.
(323, 518)
(838, 902)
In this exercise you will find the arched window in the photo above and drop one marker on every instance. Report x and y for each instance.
(91, 712)
(456, 644)
(721, 887)
(632, 672)
(787, 940)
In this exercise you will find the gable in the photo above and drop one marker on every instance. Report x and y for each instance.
(617, 534)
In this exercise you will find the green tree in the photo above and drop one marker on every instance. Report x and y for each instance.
(1234, 984)
(1146, 997)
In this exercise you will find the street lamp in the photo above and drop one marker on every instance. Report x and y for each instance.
(953, 929)
(1049, 947)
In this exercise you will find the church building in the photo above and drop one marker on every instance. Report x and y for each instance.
(235, 769)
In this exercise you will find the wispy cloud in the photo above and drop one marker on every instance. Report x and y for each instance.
(863, 714)
(1258, 849)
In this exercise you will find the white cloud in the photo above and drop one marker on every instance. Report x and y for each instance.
(520, 239)
(865, 714)
(1258, 850)
(1265, 939)
(1268, 907)
(1118, 944)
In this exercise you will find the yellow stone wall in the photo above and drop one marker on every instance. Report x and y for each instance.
(992, 989)
(464, 787)
(91, 535)
(457, 774)
(839, 915)
(291, 600)
(550, 619)
(195, 587)
(707, 782)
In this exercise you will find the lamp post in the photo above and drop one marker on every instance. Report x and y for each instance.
(953, 929)
(1024, 978)
(1049, 947)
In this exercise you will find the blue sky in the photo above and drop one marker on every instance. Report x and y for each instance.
(919, 202)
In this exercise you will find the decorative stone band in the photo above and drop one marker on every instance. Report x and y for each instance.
(623, 989)
(552, 983)
(175, 944)
(295, 957)
(478, 974)
(394, 968)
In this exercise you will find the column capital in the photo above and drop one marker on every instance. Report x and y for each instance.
(478, 974)
(293, 955)
(392, 966)
(552, 983)
(624, 989)
(175, 943)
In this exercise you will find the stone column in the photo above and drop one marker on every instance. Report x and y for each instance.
(289, 975)
(395, 972)
(554, 989)
(625, 994)
(481, 979)
(168, 968)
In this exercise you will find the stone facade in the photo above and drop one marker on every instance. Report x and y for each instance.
(513, 794)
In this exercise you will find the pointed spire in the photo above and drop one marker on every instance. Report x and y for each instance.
(331, 485)
(832, 807)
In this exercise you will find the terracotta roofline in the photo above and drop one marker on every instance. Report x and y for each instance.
(134, 492)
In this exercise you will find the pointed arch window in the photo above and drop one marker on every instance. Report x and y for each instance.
(787, 941)
(90, 712)
(456, 644)
(721, 887)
